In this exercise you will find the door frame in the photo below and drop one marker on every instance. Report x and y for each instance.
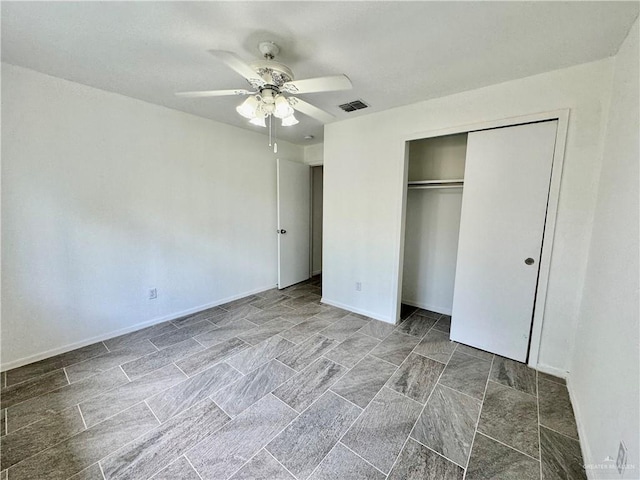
(562, 116)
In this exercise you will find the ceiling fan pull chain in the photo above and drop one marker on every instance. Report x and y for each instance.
(275, 139)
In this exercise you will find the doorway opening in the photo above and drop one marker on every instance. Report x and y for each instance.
(315, 261)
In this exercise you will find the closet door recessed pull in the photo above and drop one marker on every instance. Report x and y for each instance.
(529, 261)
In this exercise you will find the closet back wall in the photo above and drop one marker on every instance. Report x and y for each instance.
(433, 223)
(105, 197)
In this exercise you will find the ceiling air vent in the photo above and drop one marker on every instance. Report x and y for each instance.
(353, 106)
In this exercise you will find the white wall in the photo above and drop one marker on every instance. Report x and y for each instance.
(314, 154)
(104, 197)
(605, 362)
(433, 223)
(363, 171)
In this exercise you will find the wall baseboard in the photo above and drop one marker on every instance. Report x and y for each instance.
(587, 457)
(99, 338)
(316, 272)
(357, 310)
(556, 372)
(424, 306)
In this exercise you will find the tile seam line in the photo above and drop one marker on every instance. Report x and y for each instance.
(125, 373)
(111, 416)
(509, 446)
(98, 394)
(378, 358)
(359, 456)
(45, 392)
(475, 431)
(474, 355)
(142, 435)
(559, 433)
(72, 436)
(438, 453)
(332, 361)
(512, 388)
(371, 336)
(424, 356)
(341, 436)
(167, 466)
(223, 411)
(104, 370)
(421, 405)
(477, 358)
(551, 381)
(189, 462)
(346, 399)
(461, 393)
(82, 417)
(186, 452)
(152, 412)
(311, 404)
(278, 461)
(538, 412)
(413, 427)
(55, 444)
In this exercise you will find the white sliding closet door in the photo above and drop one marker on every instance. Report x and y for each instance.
(294, 197)
(504, 205)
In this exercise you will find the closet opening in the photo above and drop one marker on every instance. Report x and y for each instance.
(432, 226)
(478, 219)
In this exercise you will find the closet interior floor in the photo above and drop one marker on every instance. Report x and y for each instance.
(280, 386)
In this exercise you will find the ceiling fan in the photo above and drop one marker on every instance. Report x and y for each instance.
(273, 84)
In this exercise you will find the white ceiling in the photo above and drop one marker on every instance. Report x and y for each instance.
(395, 53)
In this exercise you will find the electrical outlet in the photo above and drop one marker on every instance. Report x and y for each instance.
(621, 461)
(153, 293)
(358, 286)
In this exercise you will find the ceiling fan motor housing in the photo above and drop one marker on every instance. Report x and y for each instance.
(273, 73)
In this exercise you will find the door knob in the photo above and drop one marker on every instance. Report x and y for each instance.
(529, 261)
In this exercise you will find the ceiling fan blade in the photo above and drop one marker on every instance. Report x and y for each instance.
(213, 93)
(240, 66)
(319, 84)
(310, 110)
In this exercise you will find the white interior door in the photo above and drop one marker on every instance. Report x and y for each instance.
(294, 195)
(504, 205)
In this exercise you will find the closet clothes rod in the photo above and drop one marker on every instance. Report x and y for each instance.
(430, 187)
(435, 182)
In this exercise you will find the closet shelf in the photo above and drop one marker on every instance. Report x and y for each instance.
(429, 184)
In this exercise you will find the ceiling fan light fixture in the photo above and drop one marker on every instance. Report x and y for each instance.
(249, 107)
(282, 108)
(289, 121)
(258, 121)
(270, 82)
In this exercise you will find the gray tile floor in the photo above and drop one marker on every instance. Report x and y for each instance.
(280, 386)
